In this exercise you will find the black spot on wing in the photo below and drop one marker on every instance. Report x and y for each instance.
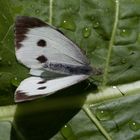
(42, 82)
(41, 43)
(41, 88)
(42, 59)
(29, 22)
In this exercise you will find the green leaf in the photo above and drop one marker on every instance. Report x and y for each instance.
(103, 107)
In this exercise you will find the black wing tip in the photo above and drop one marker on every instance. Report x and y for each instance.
(22, 26)
(29, 22)
(21, 96)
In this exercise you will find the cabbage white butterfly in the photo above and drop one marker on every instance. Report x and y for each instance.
(55, 62)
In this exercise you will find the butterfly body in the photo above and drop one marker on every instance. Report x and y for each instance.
(46, 51)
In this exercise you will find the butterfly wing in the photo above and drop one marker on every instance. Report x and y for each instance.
(35, 87)
(41, 46)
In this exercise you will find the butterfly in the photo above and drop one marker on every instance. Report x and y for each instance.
(55, 62)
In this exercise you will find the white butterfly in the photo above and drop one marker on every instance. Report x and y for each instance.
(55, 62)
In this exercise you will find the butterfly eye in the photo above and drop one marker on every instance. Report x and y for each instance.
(42, 59)
(42, 43)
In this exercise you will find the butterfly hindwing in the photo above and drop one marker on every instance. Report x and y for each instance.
(35, 87)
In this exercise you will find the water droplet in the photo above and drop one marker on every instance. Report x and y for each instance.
(103, 115)
(67, 132)
(15, 82)
(131, 53)
(91, 105)
(37, 11)
(134, 125)
(86, 32)
(123, 61)
(70, 8)
(96, 24)
(68, 24)
(9, 63)
(114, 87)
(125, 32)
(92, 18)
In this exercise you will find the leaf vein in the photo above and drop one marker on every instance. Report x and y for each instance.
(111, 43)
(50, 11)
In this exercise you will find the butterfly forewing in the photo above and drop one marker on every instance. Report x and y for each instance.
(39, 43)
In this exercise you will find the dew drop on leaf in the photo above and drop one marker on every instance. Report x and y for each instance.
(123, 61)
(125, 33)
(68, 24)
(86, 32)
(131, 53)
(103, 115)
(70, 8)
(37, 11)
(32, 6)
(96, 24)
(8, 40)
(15, 82)
(133, 125)
(67, 132)
(9, 63)
(114, 87)
(92, 18)
(91, 105)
